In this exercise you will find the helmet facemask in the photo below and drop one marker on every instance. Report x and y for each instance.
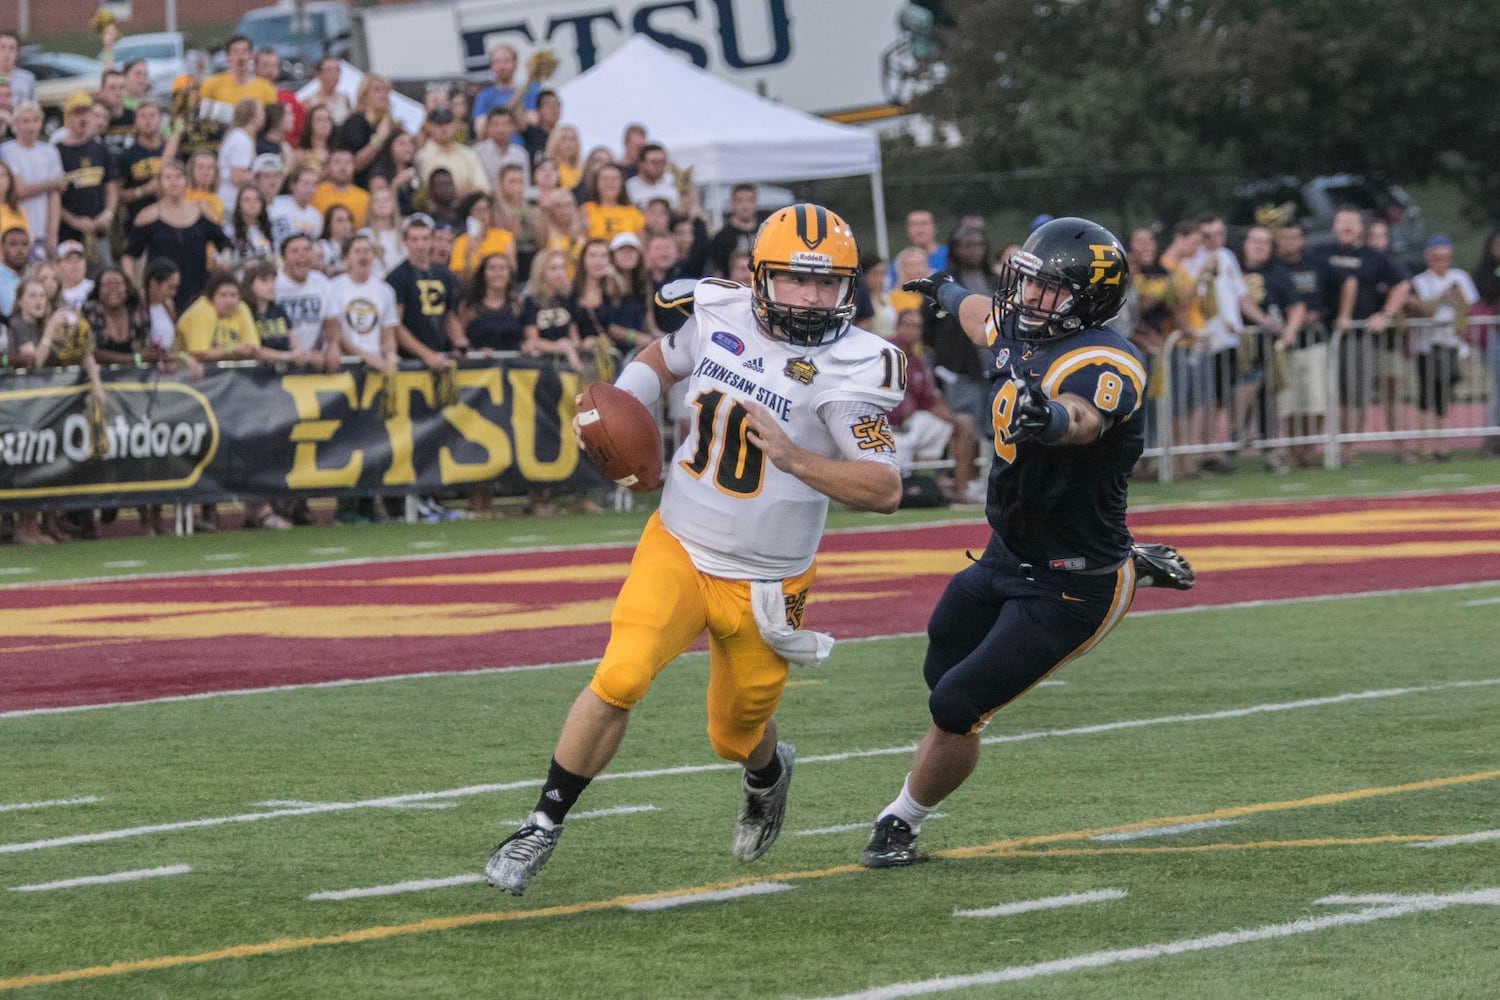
(804, 325)
(1042, 303)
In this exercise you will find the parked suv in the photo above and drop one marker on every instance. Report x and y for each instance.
(1314, 201)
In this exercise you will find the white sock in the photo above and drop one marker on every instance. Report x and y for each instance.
(541, 819)
(907, 809)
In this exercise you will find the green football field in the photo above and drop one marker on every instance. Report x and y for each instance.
(1217, 803)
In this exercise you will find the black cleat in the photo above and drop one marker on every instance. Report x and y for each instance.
(892, 845)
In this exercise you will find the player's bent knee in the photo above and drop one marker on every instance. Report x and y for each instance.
(620, 685)
(953, 713)
(734, 744)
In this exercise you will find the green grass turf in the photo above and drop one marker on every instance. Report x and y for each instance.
(124, 556)
(831, 934)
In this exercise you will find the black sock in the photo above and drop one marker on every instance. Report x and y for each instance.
(766, 776)
(560, 791)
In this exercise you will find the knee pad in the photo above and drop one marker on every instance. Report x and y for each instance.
(952, 712)
(621, 684)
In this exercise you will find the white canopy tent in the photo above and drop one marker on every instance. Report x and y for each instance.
(725, 133)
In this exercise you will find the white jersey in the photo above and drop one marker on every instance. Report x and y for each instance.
(363, 310)
(736, 514)
(306, 304)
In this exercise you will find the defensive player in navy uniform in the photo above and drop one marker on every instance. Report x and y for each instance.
(791, 405)
(1057, 574)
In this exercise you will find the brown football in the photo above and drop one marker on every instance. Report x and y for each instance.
(620, 436)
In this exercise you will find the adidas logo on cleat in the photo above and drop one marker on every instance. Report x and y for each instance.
(756, 365)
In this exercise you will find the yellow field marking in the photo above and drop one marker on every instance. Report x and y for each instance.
(1256, 845)
(47, 647)
(804, 684)
(1397, 521)
(1000, 847)
(164, 620)
(1261, 556)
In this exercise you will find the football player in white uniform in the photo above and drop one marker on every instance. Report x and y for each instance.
(789, 405)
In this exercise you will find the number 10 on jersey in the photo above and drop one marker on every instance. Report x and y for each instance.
(723, 441)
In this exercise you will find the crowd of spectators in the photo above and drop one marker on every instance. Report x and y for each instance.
(235, 222)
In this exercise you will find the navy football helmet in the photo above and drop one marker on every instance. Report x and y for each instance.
(1069, 275)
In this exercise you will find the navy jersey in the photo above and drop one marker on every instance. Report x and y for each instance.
(1063, 506)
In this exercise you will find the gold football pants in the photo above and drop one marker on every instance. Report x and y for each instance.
(664, 605)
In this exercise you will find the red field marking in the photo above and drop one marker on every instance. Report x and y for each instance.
(129, 640)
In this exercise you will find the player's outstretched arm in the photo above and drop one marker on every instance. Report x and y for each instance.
(861, 485)
(972, 309)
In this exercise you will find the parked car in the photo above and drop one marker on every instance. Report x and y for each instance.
(1314, 201)
(165, 53)
(59, 75)
(326, 32)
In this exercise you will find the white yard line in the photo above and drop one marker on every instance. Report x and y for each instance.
(1464, 838)
(16, 570)
(300, 804)
(130, 876)
(846, 827)
(481, 671)
(1167, 831)
(1049, 903)
(428, 544)
(421, 885)
(667, 902)
(331, 550)
(77, 800)
(1482, 602)
(1400, 906)
(223, 556)
(396, 888)
(453, 793)
(125, 564)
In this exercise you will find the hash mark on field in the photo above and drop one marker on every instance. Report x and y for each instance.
(1049, 903)
(753, 889)
(846, 827)
(130, 876)
(1294, 487)
(594, 813)
(78, 800)
(299, 804)
(1481, 602)
(1463, 838)
(223, 556)
(332, 550)
(429, 544)
(125, 564)
(1445, 477)
(1051, 684)
(524, 538)
(807, 683)
(395, 888)
(16, 570)
(1167, 831)
(1400, 906)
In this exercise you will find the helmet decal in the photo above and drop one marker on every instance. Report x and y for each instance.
(1106, 264)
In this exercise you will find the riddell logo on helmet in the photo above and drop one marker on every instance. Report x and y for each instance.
(811, 261)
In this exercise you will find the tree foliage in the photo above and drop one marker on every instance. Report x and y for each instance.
(1403, 88)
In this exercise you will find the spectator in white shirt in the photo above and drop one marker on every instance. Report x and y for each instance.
(651, 180)
(22, 81)
(38, 173)
(293, 213)
(237, 151)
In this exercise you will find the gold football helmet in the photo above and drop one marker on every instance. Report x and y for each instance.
(804, 239)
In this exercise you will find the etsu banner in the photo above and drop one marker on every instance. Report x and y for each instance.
(249, 430)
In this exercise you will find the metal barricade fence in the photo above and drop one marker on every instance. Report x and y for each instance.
(1416, 389)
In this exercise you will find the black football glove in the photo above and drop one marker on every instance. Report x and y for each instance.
(1160, 566)
(1035, 417)
(932, 287)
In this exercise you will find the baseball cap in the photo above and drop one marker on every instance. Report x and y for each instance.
(69, 247)
(1438, 240)
(266, 163)
(624, 240)
(77, 100)
(440, 116)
